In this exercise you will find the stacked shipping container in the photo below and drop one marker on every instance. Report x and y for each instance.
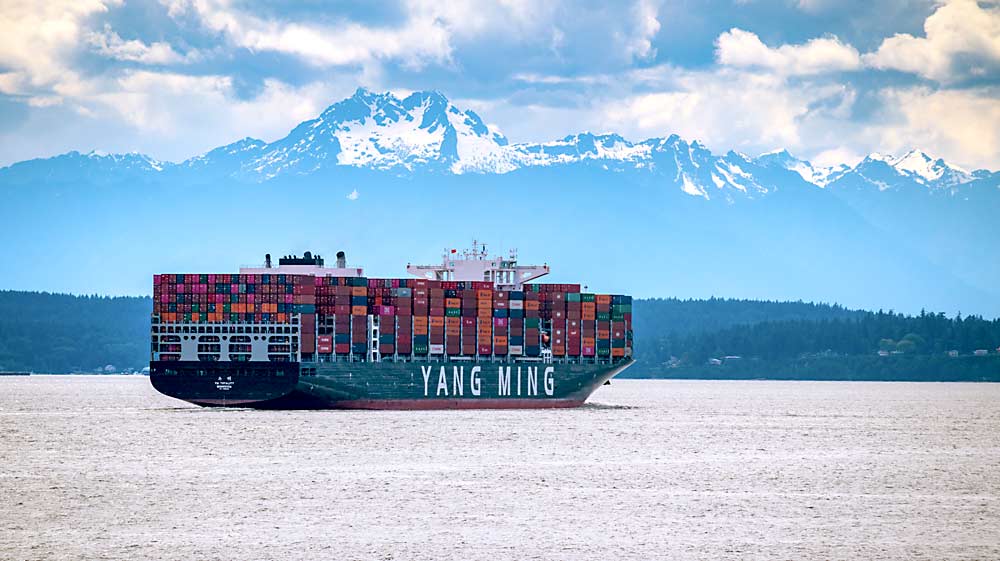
(409, 317)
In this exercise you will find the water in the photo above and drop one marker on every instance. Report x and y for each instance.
(106, 468)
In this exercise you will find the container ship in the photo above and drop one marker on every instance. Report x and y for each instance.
(471, 332)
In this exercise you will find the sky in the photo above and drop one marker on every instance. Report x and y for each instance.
(831, 80)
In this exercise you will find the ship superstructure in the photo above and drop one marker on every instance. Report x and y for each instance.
(473, 331)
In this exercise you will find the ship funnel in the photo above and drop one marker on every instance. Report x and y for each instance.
(267, 260)
(341, 260)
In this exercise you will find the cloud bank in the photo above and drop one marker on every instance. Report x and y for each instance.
(181, 76)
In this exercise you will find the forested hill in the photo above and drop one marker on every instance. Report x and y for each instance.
(58, 333)
(715, 338)
(660, 317)
(862, 345)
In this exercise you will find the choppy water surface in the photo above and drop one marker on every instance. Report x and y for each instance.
(106, 468)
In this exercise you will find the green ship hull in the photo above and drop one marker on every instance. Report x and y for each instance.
(455, 384)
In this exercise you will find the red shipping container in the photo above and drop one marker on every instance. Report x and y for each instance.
(485, 349)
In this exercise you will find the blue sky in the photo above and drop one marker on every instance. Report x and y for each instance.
(832, 80)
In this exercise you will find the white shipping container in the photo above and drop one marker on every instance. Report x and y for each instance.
(515, 349)
(437, 349)
(516, 304)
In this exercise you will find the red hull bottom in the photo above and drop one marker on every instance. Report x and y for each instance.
(426, 404)
(414, 404)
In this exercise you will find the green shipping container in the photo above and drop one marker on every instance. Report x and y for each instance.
(585, 297)
(572, 296)
(453, 312)
(532, 323)
(603, 316)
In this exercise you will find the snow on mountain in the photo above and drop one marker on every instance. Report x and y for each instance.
(915, 169)
(820, 176)
(133, 161)
(924, 169)
(233, 153)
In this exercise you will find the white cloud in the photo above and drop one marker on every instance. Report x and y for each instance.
(835, 156)
(961, 126)
(647, 26)
(181, 108)
(726, 108)
(353, 195)
(739, 48)
(421, 39)
(38, 38)
(110, 44)
(962, 40)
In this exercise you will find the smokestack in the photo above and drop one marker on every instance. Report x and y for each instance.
(267, 260)
(341, 260)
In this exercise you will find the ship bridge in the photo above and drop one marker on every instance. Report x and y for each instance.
(476, 265)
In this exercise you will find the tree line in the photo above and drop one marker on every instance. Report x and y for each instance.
(58, 333)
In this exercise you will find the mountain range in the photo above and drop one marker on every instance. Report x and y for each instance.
(666, 216)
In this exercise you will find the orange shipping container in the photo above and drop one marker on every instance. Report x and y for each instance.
(500, 340)
(589, 342)
(484, 294)
(359, 310)
(363, 291)
(603, 333)
(617, 352)
(420, 330)
(420, 321)
(602, 299)
(452, 302)
(531, 304)
(436, 322)
(456, 330)
(589, 316)
(453, 322)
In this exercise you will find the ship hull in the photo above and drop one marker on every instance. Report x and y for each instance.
(383, 385)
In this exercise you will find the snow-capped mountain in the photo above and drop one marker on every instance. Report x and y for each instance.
(425, 133)
(913, 168)
(381, 131)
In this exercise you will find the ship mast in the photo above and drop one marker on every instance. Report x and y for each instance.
(475, 265)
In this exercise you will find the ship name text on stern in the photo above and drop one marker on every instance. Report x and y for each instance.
(516, 381)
